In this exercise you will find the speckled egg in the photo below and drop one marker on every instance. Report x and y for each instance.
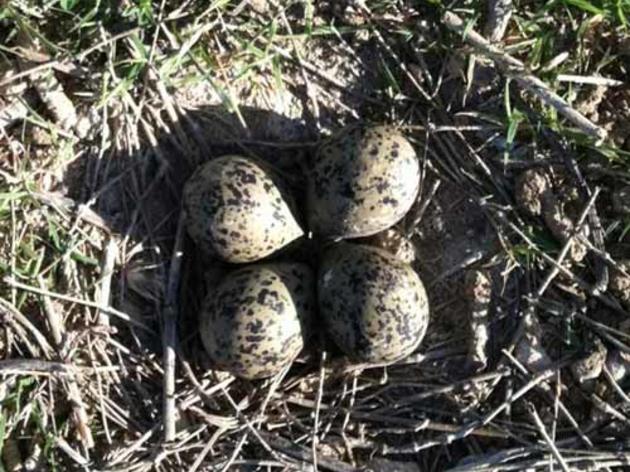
(257, 320)
(236, 211)
(363, 181)
(375, 306)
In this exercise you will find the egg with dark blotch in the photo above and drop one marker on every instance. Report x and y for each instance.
(364, 181)
(258, 318)
(375, 307)
(236, 210)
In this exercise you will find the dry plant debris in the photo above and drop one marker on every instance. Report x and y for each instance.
(520, 231)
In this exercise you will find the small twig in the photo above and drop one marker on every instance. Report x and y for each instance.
(418, 397)
(414, 219)
(579, 281)
(605, 331)
(607, 408)
(591, 80)
(217, 421)
(346, 419)
(552, 447)
(105, 285)
(79, 413)
(556, 405)
(74, 455)
(499, 13)
(235, 453)
(12, 313)
(471, 427)
(466, 262)
(107, 309)
(615, 385)
(171, 310)
(546, 388)
(515, 69)
(204, 395)
(206, 449)
(15, 110)
(401, 64)
(320, 394)
(123, 456)
(249, 424)
(34, 367)
(61, 203)
(409, 425)
(54, 320)
(302, 453)
(561, 148)
(567, 246)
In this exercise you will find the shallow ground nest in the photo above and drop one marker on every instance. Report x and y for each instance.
(519, 233)
(499, 361)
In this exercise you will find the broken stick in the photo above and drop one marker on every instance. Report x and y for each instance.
(171, 310)
(517, 70)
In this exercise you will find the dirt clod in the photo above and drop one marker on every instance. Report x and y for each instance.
(530, 187)
(529, 350)
(620, 282)
(550, 195)
(618, 364)
(478, 292)
(590, 367)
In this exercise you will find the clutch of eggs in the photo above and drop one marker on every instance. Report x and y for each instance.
(373, 305)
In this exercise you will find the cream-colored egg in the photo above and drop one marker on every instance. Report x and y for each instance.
(258, 318)
(363, 181)
(236, 211)
(374, 305)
